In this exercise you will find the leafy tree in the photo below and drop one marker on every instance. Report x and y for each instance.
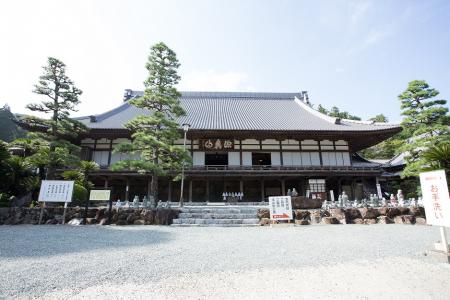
(82, 184)
(55, 134)
(426, 121)
(379, 118)
(10, 131)
(336, 113)
(154, 134)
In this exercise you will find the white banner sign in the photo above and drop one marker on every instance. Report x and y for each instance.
(435, 198)
(380, 195)
(280, 208)
(100, 195)
(56, 191)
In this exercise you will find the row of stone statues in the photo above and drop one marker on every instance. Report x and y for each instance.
(373, 201)
(145, 203)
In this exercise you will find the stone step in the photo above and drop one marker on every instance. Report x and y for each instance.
(216, 216)
(217, 210)
(216, 221)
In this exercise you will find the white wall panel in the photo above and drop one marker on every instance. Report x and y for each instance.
(246, 158)
(199, 158)
(275, 158)
(233, 159)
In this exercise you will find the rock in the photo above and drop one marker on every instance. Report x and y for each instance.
(139, 222)
(131, 218)
(384, 220)
(315, 217)
(51, 222)
(358, 221)
(75, 221)
(103, 221)
(392, 212)
(417, 211)
(383, 211)
(405, 219)
(369, 213)
(370, 221)
(339, 214)
(421, 221)
(302, 222)
(263, 213)
(404, 210)
(330, 220)
(302, 215)
(264, 221)
(302, 202)
(121, 222)
(325, 213)
(351, 214)
(91, 221)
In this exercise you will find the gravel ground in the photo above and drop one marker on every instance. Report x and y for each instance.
(156, 262)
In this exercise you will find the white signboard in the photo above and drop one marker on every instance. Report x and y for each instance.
(56, 191)
(100, 195)
(435, 198)
(280, 208)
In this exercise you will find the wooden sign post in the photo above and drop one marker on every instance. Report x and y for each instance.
(437, 204)
(55, 191)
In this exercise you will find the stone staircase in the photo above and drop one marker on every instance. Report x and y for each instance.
(222, 216)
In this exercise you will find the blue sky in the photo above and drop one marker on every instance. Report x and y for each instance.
(357, 55)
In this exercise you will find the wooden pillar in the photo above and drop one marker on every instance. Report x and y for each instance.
(106, 182)
(283, 186)
(262, 190)
(241, 186)
(127, 189)
(190, 190)
(207, 190)
(149, 187)
(281, 154)
(169, 192)
(240, 152)
(110, 151)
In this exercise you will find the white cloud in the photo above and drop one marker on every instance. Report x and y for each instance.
(211, 80)
(358, 10)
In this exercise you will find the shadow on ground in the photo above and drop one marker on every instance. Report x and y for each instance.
(49, 240)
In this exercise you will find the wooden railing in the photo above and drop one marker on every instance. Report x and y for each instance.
(281, 168)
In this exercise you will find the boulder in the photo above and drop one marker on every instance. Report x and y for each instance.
(264, 221)
(121, 222)
(405, 219)
(404, 210)
(358, 221)
(91, 221)
(339, 214)
(417, 211)
(131, 218)
(315, 216)
(421, 221)
(75, 221)
(384, 220)
(302, 202)
(263, 213)
(51, 222)
(103, 221)
(369, 213)
(392, 212)
(351, 214)
(139, 222)
(302, 222)
(370, 221)
(383, 211)
(148, 215)
(330, 220)
(302, 215)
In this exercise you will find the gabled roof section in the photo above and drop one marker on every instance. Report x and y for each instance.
(239, 111)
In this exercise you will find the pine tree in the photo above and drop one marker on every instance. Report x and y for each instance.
(57, 132)
(154, 134)
(426, 121)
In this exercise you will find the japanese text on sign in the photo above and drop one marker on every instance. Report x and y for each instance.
(435, 198)
(280, 208)
(56, 191)
(99, 195)
(216, 144)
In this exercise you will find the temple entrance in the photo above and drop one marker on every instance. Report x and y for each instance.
(216, 159)
(215, 190)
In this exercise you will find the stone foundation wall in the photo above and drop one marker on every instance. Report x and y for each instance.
(382, 215)
(17, 215)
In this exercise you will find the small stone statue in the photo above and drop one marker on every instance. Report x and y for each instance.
(401, 198)
(152, 201)
(126, 204)
(118, 203)
(325, 205)
(355, 203)
(344, 198)
(393, 200)
(340, 201)
(383, 202)
(145, 201)
(413, 202)
(294, 192)
(136, 201)
(289, 193)
(420, 202)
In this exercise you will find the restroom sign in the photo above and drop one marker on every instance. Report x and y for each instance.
(280, 208)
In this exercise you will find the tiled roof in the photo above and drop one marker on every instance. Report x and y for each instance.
(240, 111)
